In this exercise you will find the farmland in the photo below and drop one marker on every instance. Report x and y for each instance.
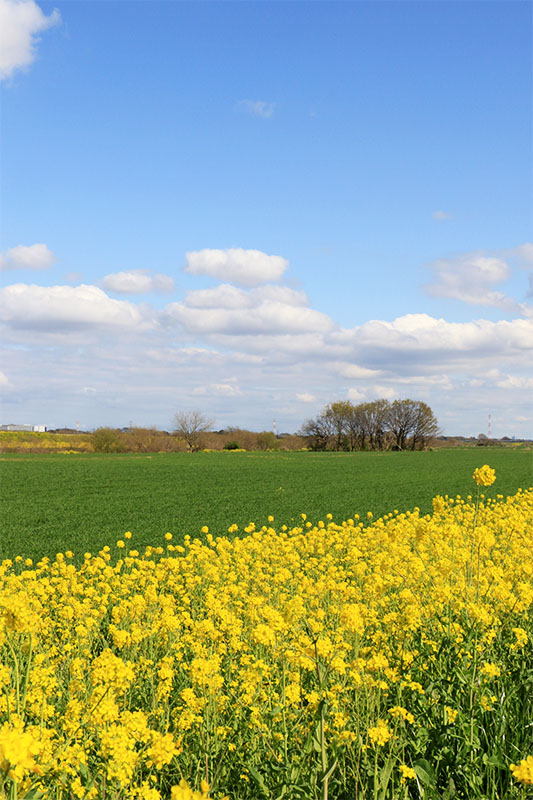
(379, 659)
(51, 503)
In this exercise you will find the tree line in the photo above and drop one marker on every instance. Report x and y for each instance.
(378, 425)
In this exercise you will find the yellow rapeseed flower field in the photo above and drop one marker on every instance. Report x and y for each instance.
(387, 658)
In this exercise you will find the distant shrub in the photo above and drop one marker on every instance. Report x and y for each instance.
(107, 440)
(267, 441)
(232, 446)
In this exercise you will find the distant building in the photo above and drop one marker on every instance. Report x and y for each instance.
(25, 428)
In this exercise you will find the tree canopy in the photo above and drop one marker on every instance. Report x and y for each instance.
(377, 425)
(190, 426)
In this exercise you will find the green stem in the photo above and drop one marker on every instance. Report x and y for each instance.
(27, 675)
(17, 674)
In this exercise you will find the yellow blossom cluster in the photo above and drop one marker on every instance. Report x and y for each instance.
(523, 772)
(288, 662)
(484, 476)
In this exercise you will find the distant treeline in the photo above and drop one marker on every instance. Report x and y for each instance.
(143, 440)
(379, 425)
(151, 440)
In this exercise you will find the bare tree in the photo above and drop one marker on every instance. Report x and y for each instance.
(375, 415)
(425, 427)
(317, 431)
(412, 424)
(401, 418)
(338, 416)
(190, 426)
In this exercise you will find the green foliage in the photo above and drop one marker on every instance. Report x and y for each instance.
(106, 440)
(232, 446)
(379, 425)
(266, 440)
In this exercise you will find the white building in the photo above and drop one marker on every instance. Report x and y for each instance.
(27, 428)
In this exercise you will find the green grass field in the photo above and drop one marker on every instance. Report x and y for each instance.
(52, 503)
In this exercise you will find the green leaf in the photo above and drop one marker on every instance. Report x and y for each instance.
(493, 761)
(258, 778)
(424, 772)
(451, 791)
(33, 794)
(384, 778)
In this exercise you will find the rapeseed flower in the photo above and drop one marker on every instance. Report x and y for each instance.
(484, 476)
(406, 772)
(18, 749)
(523, 772)
(379, 734)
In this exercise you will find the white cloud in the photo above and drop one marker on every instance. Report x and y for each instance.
(422, 336)
(424, 381)
(35, 256)
(279, 294)
(61, 308)
(266, 318)
(515, 382)
(257, 108)
(223, 296)
(4, 381)
(228, 296)
(234, 312)
(243, 267)
(306, 397)
(355, 395)
(355, 371)
(137, 281)
(21, 22)
(441, 215)
(225, 389)
(471, 278)
(385, 392)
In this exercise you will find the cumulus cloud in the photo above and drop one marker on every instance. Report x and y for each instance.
(471, 278)
(257, 108)
(35, 256)
(228, 296)
(235, 312)
(21, 22)
(63, 308)
(137, 281)
(420, 336)
(355, 371)
(243, 267)
(224, 296)
(355, 395)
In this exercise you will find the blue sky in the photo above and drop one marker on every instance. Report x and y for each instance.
(256, 208)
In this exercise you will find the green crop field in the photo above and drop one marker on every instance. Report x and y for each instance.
(52, 503)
